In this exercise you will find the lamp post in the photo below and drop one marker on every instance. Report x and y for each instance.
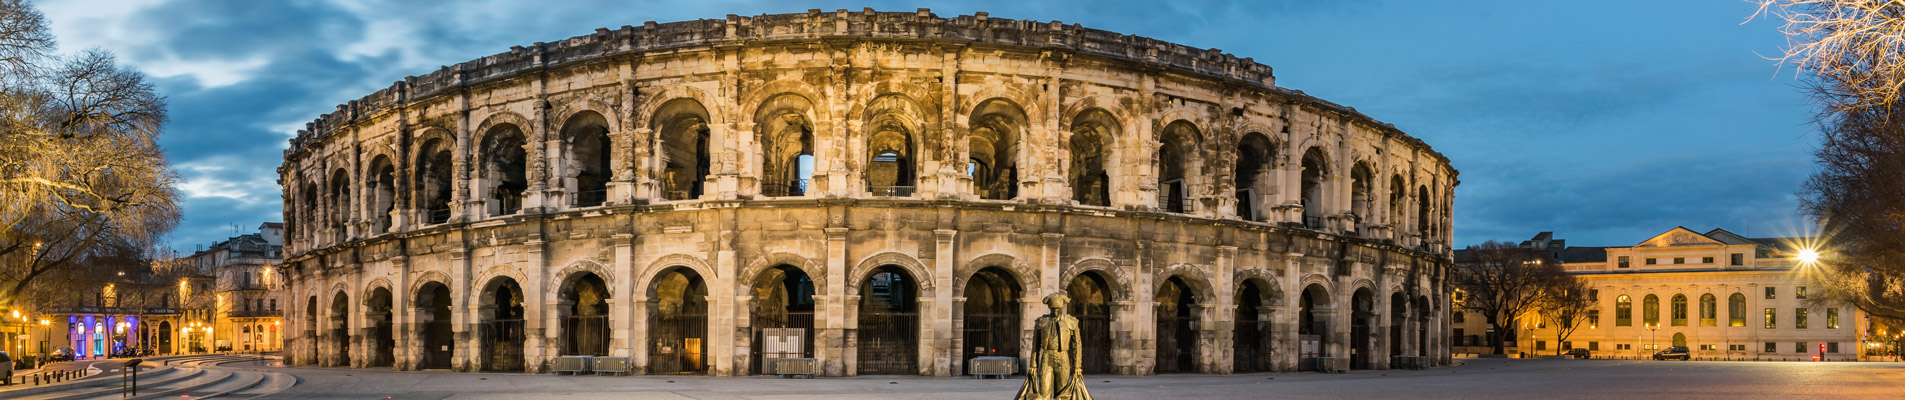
(1653, 338)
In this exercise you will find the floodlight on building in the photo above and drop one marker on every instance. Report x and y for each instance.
(1808, 256)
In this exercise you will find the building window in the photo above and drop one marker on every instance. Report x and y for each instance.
(1458, 317)
(1832, 318)
(1799, 292)
(1679, 310)
(1707, 309)
(1679, 260)
(1623, 346)
(1799, 318)
(1799, 347)
(1771, 317)
(1594, 294)
(1568, 345)
(1739, 259)
(1771, 348)
(1736, 309)
(1709, 347)
(1770, 293)
(1832, 347)
(1594, 346)
(1541, 345)
(1594, 318)
(1736, 347)
(1650, 261)
(1623, 261)
(1706, 260)
(1623, 311)
(1650, 310)
(274, 304)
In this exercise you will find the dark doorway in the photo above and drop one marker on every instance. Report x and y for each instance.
(1311, 330)
(310, 331)
(1091, 304)
(783, 299)
(1254, 338)
(1398, 317)
(889, 323)
(383, 343)
(341, 329)
(1361, 336)
(585, 323)
(502, 332)
(1177, 337)
(678, 331)
(165, 337)
(433, 312)
(992, 315)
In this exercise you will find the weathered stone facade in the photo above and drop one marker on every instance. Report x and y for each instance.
(669, 191)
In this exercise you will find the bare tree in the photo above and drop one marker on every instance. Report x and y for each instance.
(1851, 54)
(1503, 282)
(1566, 307)
(80, 166)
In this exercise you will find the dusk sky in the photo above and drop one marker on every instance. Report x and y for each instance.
(1604, 121)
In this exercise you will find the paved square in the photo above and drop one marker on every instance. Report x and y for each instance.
(1484, 379)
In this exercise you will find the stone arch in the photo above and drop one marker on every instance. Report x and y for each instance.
(755, 267)
(1264, 279)
(1027, 100)
(906, 262)
(759, 95)
(1025, 276)
(651, 103)
(569, 109)
(427, 277)
(500, 118)
(487, 280)
(645, 281)
(1195, 276)
(375, 283)
(1118, 283)
(565, 276)
(1070, 112)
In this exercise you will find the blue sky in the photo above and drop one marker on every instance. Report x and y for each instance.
(1605, 121)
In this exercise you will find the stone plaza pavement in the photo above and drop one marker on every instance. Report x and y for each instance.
(1475, 378)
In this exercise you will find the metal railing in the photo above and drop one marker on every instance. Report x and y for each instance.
(797, 187)
(1313, 222)
(439, 215)
(894, 191)
(1175, 204)
(675, 195)
(510, 205)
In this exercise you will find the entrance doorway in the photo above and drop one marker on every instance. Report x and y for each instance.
(1254, 338)
(678, 327)
(433, 313)
(585, 323)
(889, 323)
(783, 299)
(502, 327)
(992, 315)
(1177, 338)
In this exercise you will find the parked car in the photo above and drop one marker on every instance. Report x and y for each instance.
(1579, 353)
(6, 368)
(60, 354)
(1674, 353)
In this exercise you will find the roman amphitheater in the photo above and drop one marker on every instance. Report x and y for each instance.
(883, 192)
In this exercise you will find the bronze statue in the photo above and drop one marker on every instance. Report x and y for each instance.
(1054, 371)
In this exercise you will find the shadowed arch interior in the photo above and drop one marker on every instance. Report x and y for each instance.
(1094, 138)
(435, 167)
(1362, 322)
(992, 315)
(1176, 156)
(1255, 157)
(783, 299)
(1091, 304)
(382, 188)
(341, 329)
(993, 148)
(585, 316)
(888, 329)
(1177, 334)
(378, 310)
(586, 139)
(785, 127)
(1315, 170)
(678, 322)
(502, 328)
(504, 170)
(682, 126)
(1255, 337)
(434, 317)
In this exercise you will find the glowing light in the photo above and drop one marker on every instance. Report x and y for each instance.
(1808, 256)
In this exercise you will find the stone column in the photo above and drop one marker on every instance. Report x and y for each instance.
(721, 323)
(463, 313)
(539, 323)
(622, 340)
(830, 336)
(942, 303)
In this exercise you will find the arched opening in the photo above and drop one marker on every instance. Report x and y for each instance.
(434, 166)
(993, 149)
(433, 317)
(888, 332)
(165, 337)
(1094, 134)
(310, 332)
(1650, 310)
(991, 315)
(1736, 310)
(678, 323)
(587, 142)
(382, 188)
(1423, 321)
(893, 123)
(1398, 204)
(1177, 311)
(783, 316)
(341, 330)
(585, 316)
(340, 204)
(785, 127)
(1422, 214)
(1254, 155)
(1361, 186)
(1679, 310)
(1315, 170)
(1680, 339)
(1707, 310)
(1091, 304)
(1312, 324)
(383, 341)
(504, 171)
(502, 327)
(1398, 318)
(1362, 336)
(1177, 157)
(1623, 311)
(1255, 338)
(682, 125)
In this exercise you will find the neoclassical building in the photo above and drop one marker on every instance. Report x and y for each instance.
(889, 193)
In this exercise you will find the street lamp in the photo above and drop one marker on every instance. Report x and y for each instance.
(1653, 339)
